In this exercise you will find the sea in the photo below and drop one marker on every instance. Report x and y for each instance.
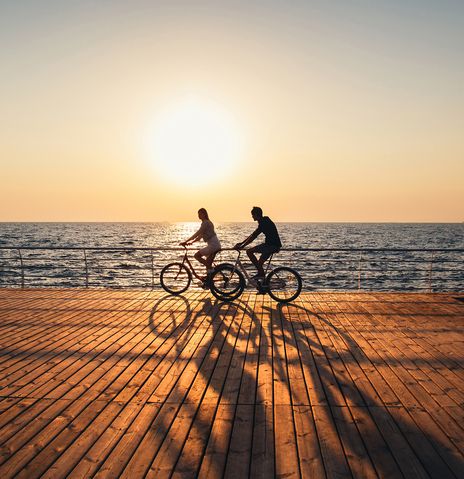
(329, 256)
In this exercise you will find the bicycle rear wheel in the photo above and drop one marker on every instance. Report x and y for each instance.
(227, 282)
(284, 284)
(175, 278)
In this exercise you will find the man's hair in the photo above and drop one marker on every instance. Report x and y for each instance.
(202, 210)
(257, 210)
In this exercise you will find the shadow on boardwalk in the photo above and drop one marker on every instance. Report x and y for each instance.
(188, 386)
(283, 391)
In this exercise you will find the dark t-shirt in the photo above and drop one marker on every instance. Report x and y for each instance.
(268, 228)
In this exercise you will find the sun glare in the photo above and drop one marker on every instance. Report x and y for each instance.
(195, 143)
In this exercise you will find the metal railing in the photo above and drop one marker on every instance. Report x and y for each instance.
(375, 269)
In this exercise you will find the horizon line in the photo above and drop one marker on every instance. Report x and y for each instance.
(229, 221)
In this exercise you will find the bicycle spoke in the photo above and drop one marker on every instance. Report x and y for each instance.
(227, 282)
(175, 278)
(284, 284)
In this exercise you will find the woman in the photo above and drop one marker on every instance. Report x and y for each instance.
(207, 234)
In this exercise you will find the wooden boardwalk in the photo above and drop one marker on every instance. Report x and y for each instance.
(104, 383)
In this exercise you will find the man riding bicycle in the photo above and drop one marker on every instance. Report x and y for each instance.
(271, 245)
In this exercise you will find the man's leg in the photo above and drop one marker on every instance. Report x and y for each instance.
(261, 262)
(258, 264)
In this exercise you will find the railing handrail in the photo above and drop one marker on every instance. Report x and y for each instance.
(167, 248)
(361, 263)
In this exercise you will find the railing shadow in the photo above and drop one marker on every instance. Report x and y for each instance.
(338, 408)
(352, 400)
(224, 382)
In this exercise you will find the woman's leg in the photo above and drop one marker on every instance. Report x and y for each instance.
(199, 257)
(209, 261)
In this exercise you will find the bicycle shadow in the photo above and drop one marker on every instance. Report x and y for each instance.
(238, 377)
(219, 365)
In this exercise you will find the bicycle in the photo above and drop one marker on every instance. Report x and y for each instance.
(175, 278)
(283, 284)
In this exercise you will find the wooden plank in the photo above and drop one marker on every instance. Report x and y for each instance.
(331, 388)
(190, 457)
(192, 451)
(355, 451)
(146, 458)
(333, 454)
(286, 452)
(335, 385)
(264, 386)
(423, 448)
(240, 446)
(406, 459)
(239, 451)
(67, 448)
(93, 458)
(263, 450)
(413, 393)
(200, 369)
(425, 375)
(43, 365)
(313, 381)
(215, 455)
(379, 452)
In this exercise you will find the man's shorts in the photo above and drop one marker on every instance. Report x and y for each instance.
(212, 247)
(266, 250)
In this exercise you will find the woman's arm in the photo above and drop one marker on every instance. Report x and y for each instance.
(195, 237)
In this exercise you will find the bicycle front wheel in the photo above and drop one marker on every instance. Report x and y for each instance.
(284, 284)
(175, 278)
(227, 282)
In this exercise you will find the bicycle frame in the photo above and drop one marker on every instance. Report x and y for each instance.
(242, 269)
(190, 266)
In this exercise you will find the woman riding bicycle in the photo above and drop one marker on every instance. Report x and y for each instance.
(205, 255)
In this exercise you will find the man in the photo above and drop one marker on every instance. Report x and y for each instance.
(271, 245)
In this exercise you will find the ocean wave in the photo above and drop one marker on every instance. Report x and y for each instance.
(392, 270)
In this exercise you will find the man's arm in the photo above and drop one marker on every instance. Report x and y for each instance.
(250, 239)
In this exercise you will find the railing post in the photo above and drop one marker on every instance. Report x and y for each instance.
(22, 267)
(152, 271)
(86, 269)
(430, 271)
(359, 271)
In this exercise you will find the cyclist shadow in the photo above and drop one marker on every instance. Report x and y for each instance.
(246, 372)
(338, 393)
(210, 340)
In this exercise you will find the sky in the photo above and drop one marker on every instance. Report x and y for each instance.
(315, 111)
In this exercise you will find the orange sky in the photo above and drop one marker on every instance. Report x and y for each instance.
(342, 112)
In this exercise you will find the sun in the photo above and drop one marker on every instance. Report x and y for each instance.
(195, 143)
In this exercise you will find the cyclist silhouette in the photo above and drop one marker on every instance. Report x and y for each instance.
(205, 255)
(271, 245)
